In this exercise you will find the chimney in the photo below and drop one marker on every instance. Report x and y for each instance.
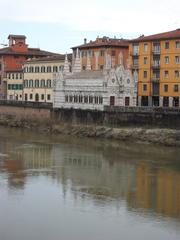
(85, 40)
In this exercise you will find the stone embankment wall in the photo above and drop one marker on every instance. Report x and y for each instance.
(127, 124)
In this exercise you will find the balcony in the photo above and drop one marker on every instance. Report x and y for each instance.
(156, 51)
(135, 53)
(135, 65)
(155, 79)
(156, 65)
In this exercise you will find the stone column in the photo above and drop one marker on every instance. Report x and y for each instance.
(139, 101)
(170, 101)
(161, 101)
(150, 101)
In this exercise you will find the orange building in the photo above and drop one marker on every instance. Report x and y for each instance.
(13, 56)
(98, 49)
(157, 60)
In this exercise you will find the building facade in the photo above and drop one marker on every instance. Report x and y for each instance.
(88, 89)
(13, 56)
(38, 77)
(97, 51)
(15, 85)
(156, 58)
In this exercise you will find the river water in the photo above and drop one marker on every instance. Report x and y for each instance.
(67, 188)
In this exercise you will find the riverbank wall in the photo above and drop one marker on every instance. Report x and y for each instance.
(153, 125)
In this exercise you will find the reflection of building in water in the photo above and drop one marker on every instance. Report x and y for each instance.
(91, 172)
(160, 192)
(26, 157)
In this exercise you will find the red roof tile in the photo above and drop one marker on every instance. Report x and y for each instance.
(160, 36)
(105, 42)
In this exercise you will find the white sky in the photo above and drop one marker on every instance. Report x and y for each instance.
(127, 16)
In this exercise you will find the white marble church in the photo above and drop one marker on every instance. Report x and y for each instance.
(87, 89)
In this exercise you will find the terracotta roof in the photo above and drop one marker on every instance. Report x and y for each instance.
(16, 36)
(105, 42)
(160, 36)
(57, 57)
(30, 52)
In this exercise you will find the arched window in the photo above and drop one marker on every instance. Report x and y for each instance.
(31, 69)
(43, 69)
(36, 69)
(48, 68)
(85, 99)
(25, 83)
(80, 98)
(42, 83)
(55, 69)
(90, 99)
(49, 83)
(70, 98)
(36, 83)
(100, 100)
(31, 83)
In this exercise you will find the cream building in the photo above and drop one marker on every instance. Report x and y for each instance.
(14, 85)
(88, 89)
(38, 77)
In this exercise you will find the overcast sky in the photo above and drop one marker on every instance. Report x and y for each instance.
(58, 25)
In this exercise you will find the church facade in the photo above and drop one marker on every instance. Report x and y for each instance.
(93, 90)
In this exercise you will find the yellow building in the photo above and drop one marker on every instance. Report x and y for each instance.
(38, 77)
(157, 60)
(14, 85)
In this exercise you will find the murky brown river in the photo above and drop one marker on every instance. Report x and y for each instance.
(67, 188)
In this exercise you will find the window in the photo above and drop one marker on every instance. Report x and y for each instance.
(42, 83)
(48, 97)
(31, 83)
(20, 76)
(96, 99)
(102, 53)
(85, 99)
(25, 83)
(176, 88)
(75, 98)
(166, 74)
(165, 88)
(100, 100)
(90, 99)
(176, 59)
(176, 73)
(36, 83)
(80, 99)
(42, 96)
(16, 75)
(113, 53)
(55, 69)
(145, 74)
(166, 59)
(145, 60)
(84, 67)
(145, 87)
(36, 69)
(49, 83)
(48, 68)
(13, 76)
(177, 44)
(43, 69)
(31, 96)
(31, 69)
(145, 47)
(166, 45)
